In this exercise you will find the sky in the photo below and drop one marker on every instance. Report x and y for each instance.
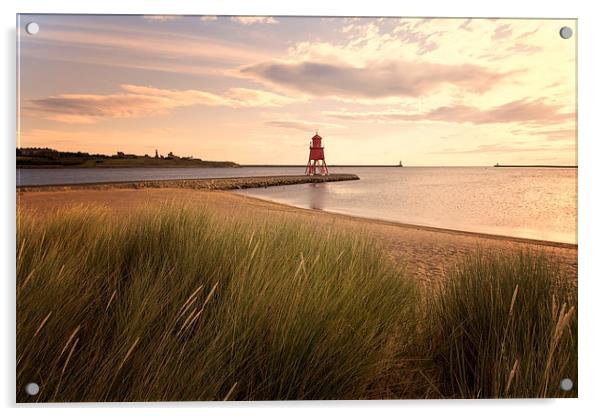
(254, 90)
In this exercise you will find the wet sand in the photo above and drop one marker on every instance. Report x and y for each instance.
(424, 251)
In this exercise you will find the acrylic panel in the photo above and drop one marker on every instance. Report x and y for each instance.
(295, 208)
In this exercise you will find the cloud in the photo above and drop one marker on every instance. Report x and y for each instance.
(143, 101)
(465, 25)
(365, 41)
(161, 17)
(251, 20)
(145, 48)
(381, 79)
(528, 33)
(502, 32)
(534, 112)
(524, 48)
(301, 125)
(347, 28)
(411, 35)
(88, 108)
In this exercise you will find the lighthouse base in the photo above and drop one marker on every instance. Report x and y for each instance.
(316, 167)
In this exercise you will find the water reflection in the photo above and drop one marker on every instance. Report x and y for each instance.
(316, 196)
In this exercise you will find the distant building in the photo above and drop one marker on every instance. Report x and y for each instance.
(121, 155)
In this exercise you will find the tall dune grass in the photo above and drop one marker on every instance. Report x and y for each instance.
(178, 304)
(182, 303)
(505, 327)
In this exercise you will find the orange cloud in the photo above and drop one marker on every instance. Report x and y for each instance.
(502, 32)
(143, 101)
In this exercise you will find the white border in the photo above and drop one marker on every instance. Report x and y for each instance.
(590, 157)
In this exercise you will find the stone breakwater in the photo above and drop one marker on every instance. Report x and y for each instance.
(220, 184)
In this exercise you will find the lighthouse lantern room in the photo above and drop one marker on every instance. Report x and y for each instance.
(316, 163)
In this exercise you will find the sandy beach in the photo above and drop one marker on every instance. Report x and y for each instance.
(425, 252)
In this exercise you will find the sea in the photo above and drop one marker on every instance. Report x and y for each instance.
(535, 203)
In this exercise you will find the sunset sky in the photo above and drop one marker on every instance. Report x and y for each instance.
(254, 89)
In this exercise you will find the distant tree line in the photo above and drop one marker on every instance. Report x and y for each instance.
(51, 153)
(48, 153)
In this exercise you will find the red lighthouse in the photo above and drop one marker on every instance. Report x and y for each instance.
(316, 163)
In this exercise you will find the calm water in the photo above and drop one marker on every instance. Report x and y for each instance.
(69, 176)
(532, 203)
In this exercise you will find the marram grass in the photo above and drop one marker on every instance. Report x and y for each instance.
(504, 327)
(181, 303)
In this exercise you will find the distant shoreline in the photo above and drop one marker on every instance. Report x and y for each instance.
(46, 158)
(127, 164)
(497, 165)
